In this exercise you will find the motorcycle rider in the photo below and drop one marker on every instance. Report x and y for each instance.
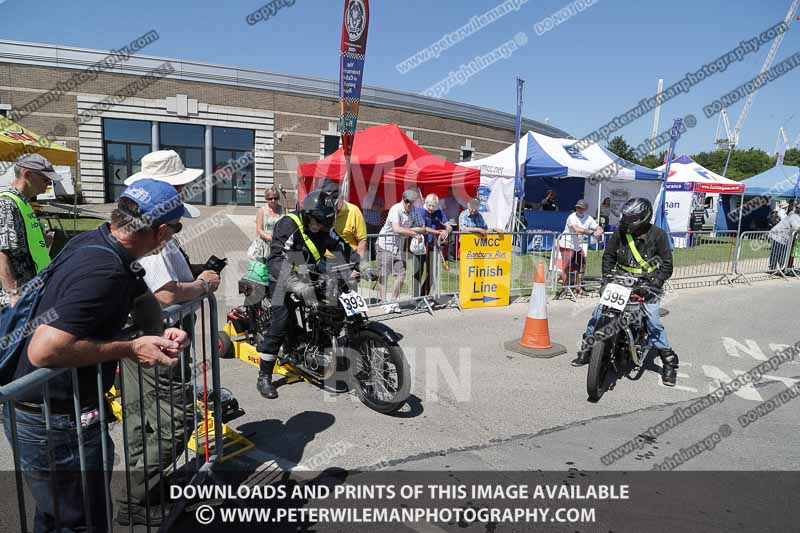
(640, 249)
(300, 241)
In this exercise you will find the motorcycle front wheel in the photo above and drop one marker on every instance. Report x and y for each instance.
(600, 362)
(381, 372)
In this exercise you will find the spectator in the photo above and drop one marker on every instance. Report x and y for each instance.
(375, 217)
(549, 202)
(573, 257)
(266, 218)
(23, 247)
(454, 204)
(471, 221)
(438, 228)
(605, 213)
(779, 237)
(90, 293)
(401, 220)
(170, 277)
(349, 223)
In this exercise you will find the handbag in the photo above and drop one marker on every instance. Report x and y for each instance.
(418, 246)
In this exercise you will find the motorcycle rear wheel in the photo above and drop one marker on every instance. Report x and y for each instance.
(384, 389)
(597, 378)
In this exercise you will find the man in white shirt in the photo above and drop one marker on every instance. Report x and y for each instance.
(780, 243)
(401, 221)
(170, 277)
(573, 257)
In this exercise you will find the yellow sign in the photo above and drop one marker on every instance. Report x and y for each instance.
(485, 270)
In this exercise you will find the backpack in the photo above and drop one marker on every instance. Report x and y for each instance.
(17, 324)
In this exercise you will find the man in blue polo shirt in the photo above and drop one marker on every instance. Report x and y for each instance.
(82, 312)
(471, 221)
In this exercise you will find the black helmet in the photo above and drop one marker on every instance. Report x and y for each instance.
(635, 215)
(320, 206)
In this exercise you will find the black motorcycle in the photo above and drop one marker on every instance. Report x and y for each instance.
(334, 344)
(620, 335)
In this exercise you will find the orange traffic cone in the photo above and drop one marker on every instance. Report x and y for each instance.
(535, 341)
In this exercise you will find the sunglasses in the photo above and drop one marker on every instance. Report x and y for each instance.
(406, 201)
(272, 198)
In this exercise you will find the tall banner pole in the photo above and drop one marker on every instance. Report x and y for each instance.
(661, 212)
(355, 25)
(519, 187)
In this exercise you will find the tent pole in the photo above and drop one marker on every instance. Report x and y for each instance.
(741, 212)
(599, 199)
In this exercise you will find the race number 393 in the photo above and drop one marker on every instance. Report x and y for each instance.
(615, 296)
(353, 303)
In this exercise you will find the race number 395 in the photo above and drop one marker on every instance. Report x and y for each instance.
(615, 296)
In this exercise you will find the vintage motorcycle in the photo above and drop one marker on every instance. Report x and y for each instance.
(620, 334)
(334, 344)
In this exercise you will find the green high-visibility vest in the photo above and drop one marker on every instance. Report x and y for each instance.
(309, 243)
(36, 244)
(646, 267)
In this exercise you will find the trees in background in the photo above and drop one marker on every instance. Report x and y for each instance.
(744, 163)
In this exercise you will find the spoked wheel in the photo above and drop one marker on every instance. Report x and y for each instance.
(381, 373)
(599, 365)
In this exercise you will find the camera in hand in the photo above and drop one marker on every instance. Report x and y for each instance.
(216, 264)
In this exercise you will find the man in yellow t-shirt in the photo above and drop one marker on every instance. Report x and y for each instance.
(350, 224)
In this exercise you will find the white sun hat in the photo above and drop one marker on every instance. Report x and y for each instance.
(165, 165)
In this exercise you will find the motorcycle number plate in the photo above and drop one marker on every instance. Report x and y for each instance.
(353, 303)
(615, 296)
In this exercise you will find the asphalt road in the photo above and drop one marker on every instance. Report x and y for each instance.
(476, 406)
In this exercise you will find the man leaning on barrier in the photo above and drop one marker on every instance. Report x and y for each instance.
(471, 221)
(640, 249)
(91, 291)
(779, 237)
(168, 423)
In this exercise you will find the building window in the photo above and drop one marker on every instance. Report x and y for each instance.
(331, 144)
(188, 140)
(230, 145)
(466, 155)
(125, 142)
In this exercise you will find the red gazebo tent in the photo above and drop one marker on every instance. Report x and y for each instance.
(385, 162)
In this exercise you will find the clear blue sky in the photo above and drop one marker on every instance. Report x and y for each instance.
(579, 75)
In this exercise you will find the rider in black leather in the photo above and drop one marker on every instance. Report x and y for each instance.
(300, 241)
(640, 249)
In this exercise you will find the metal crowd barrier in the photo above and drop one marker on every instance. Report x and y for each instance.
(422, 284)
(573, 272)
(703, 254)
(696, 256)
(164, 413)
(757, 253)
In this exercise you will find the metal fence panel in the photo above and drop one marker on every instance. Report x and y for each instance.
(91, 474)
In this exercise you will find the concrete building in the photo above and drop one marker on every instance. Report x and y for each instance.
(212, 115)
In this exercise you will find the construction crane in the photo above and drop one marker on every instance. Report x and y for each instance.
(781, 144)
(733, 137)
(723, 143)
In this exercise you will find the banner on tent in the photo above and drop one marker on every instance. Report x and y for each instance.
(496, 196)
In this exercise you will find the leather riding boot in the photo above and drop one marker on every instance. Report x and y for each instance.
(264, 383)
(669, 367)
(584, 354)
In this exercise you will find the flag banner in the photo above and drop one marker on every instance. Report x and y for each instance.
(519, 188)
(351, 70)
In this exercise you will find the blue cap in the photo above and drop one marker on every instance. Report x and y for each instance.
(158, 201)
